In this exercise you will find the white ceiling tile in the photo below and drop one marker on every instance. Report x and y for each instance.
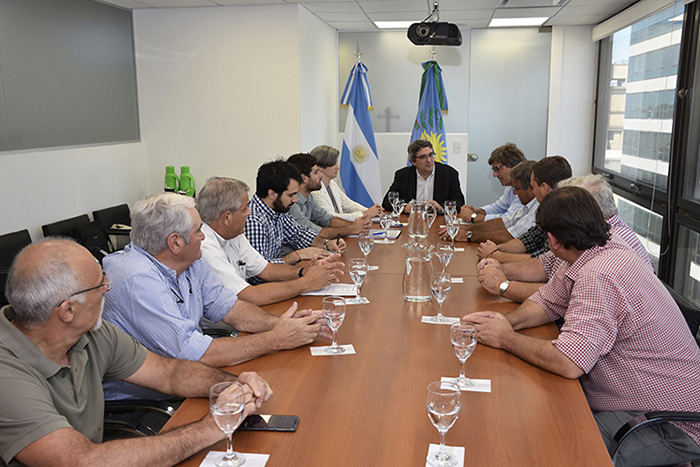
(338, 16)
(344, 7)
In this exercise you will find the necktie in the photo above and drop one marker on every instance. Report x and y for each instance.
(335, 204)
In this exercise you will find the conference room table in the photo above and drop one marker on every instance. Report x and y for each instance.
(369, 408)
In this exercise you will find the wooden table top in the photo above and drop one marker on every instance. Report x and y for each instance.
(368, 409)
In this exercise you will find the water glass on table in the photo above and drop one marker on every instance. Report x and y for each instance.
(445, 252)
(443, 403)
(440, 285)
(450, 208)
(366, 242)
(463, 337)
(334, 314)
(358, 271)
(226, 403)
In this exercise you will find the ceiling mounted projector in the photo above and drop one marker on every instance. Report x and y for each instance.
(434, 33)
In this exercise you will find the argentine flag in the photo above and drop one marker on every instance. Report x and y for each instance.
(433, 104)
(359, 163)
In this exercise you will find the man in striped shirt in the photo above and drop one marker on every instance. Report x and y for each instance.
(623, 335)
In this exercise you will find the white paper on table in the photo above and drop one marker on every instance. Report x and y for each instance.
(456, 451)
(392, 234)
(457, 280)
(457, 250)
(355, 301)
(321, 351)
(372, 268)
(340, 289)
(447, 320)
(251, 460)
(480, 385)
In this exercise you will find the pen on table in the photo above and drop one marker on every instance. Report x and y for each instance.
(337, 241)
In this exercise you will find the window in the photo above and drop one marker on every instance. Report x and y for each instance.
(648, 138)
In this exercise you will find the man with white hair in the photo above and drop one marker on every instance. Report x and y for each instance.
(162, 290)
(223, 206)
(54, 354)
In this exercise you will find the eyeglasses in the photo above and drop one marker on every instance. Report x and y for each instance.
(425, 156)
(106, 283)
(497, 168)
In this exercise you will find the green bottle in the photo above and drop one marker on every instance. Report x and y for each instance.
(172, 183)
(186, 181)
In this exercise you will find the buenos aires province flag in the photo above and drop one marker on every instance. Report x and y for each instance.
(359, 163)
(433, 104)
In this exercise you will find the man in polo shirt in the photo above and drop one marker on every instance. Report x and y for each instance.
(54, 353)
(162, 290)
(309, 214)
(502, 160)
(223, 205)
(269, 227)
(623, 335)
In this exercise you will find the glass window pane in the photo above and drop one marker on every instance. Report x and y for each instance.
(687, 275)
(646, 224)
(641, 91)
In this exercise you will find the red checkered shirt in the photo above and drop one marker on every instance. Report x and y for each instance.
(550, 263)
(625, 331)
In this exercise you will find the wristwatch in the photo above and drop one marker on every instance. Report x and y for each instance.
(473, 217)
(502, 287)
(469, 235)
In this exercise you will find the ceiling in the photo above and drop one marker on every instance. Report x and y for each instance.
(358, 15)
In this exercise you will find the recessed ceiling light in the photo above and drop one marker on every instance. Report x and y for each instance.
(393, 24)
(677, 19)
(515, 22)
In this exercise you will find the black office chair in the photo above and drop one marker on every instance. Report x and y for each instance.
(136, 418)
(85, 232)
(692, 317)
(10, 245)
(116, 223)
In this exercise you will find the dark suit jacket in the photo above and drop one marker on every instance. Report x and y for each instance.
(446, 185)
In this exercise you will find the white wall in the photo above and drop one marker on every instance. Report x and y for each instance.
(573, 71)
(318, 67)
(219, 88)
(50, 185)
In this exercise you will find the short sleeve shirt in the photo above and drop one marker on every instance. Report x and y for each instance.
(234, 260)
(535, 241)
(625, 331)
(38, 396)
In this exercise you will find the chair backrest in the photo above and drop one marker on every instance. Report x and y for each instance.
(107, 217)
(690, 312)
(10, 245)
(83, 231)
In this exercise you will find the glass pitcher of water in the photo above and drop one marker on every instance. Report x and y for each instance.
(416, 272)
(418, 219)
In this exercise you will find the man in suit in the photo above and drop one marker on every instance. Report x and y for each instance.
(425, 179)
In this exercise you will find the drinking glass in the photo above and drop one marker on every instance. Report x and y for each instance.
(398, 208)
(450, 208)
(334, 314)
(443, 405)
(463, 343)
(385, 223)
(358, 270)
(445, 252)
(452, 228)
(440, 285)
(430, 216)
(226, 403)
(366, 243)
(393, 196)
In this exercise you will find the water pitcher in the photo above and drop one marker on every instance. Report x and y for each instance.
(418, 219)
(416, 272)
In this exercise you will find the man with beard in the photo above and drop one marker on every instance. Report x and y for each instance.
(309, 214)
(270, 227)
(54, 354)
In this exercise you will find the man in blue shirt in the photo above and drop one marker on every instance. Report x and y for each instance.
(162, 290)
(502, 160)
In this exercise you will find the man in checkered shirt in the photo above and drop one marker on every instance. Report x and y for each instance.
(269, 227)
(623, 334)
